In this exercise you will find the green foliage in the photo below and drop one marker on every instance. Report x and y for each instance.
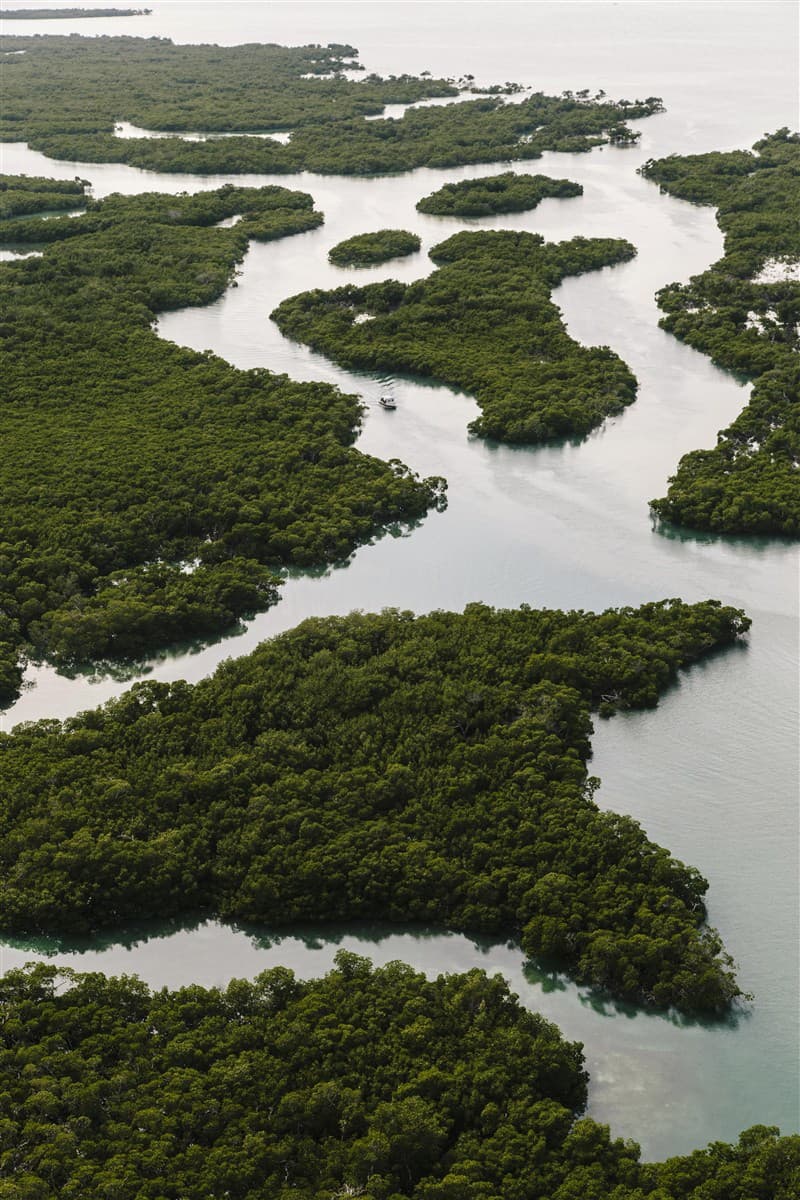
(125, 456)
(428, 769)
(750, 481)
(483, 322)
(372, 1083)
(366, 249)
(64, 97)
(762, 1166)
(21, 195)
(150, 605)
(10, 664)
(37, 183)
(495, 194)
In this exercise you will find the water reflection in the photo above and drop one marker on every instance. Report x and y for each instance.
(300, 946)
(752, 543)
(128, 670)
(657, 1077)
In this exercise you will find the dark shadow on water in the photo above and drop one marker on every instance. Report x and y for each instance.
(550, 977)
(605, 1005)
(708, 661)
(760, 542)
(542, 974)
(395, 529)
(546, 975)
(374, 375)
(312, 935)
(315, 935)
(130, 670)
(23, 250)
(569, 441)
(127, 670)
(127, 937)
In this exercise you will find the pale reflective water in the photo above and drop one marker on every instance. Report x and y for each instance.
(713, 773)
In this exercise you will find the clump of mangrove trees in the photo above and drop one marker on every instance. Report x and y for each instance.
(506, 193)
(148, 492)
(385, 767)
(483, 322)
(22, 195)
(372, 1083)
(367, 249)
(744, 311)
(64, 96)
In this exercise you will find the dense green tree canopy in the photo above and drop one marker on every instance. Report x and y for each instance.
(371, 1083)
(146, 490)
(483, 322)
(21, 195)
(504, 193)
(383, 766)
(64, 97)
(745, 312)
(79, 86)
(366, 249)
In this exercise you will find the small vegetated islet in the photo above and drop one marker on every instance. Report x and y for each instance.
(506, 193)
(367, 249)
(483, 322)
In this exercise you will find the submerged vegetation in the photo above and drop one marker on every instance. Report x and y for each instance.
(372, 1083)
(505, 193)
(378, 766)
(483, 322)
(366, 249)
(744, 312)
(64, 96)
(148, 491)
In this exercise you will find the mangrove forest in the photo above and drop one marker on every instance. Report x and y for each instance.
(379, 766)
(22, 196)
(483, 322)
(493, 194)
(378, 1084)
(429, 770)
(148, 491)
(744, 311)
(368, 1083)
(65, 96)
(367, 249)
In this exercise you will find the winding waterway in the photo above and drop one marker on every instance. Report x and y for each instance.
(713, 772)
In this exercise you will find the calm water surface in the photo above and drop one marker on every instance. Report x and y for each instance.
(713, 773)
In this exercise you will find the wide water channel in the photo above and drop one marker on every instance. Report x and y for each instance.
(713, 772)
